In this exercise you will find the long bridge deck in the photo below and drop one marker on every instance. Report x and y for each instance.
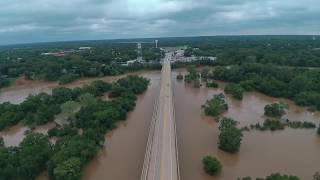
(161, 158)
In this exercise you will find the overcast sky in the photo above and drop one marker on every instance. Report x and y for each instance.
(23, 21)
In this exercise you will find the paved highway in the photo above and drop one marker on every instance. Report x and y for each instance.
(161, 159)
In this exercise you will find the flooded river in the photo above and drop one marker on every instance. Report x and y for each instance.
(291, 151)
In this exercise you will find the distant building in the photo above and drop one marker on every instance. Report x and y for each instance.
(85, 48)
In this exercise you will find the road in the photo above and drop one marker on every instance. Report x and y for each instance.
(161, 159)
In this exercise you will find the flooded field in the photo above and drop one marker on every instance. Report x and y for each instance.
(290, 151)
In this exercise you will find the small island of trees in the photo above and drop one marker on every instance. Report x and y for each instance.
(276, 110)
(215, 106)
(230, 136)
(211, 165)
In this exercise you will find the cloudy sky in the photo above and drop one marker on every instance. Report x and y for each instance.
(23, 21)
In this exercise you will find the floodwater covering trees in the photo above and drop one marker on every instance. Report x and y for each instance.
(230, 136)
(215, 106)
(65, 159)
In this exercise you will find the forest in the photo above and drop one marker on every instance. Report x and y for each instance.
(65, 159)
(299, 84)
(101, 60)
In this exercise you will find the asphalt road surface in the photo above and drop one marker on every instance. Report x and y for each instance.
(161, 159)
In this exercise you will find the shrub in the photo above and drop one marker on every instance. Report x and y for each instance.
(211, 165)
(180, 76)
(275, 110)
(212, 84)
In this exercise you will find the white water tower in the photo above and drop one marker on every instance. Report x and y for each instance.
(156, 41)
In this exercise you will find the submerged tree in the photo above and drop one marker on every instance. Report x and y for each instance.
(215, 106)
(275, 110)
(211, 165)
(230, 136)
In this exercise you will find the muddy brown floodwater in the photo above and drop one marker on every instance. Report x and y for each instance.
(122, 156)
(19, 91)
(289, 151)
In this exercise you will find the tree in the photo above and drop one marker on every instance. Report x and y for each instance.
(211, 165)
(275, 110)
(318, 131)
(179, 76)
(1, 142)
(70, 169)
(235, 90)
(215, 106)
(230, 136)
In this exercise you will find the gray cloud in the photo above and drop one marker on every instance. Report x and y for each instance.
(47, 20)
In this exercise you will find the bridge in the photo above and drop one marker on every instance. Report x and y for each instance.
(161, 158)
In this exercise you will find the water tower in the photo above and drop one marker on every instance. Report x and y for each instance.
(156, 41)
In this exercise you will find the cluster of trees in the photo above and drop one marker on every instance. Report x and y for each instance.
(211, 165)
(275, 124)
(276, 110)
(41, 108)
(211, 84)
(95, 118)
(73, 150)
(26, 161)
(274, 176)
(152, 54)
(230, 136)
(193, 77)
(300, 84)
(235, 90)
(215, 106)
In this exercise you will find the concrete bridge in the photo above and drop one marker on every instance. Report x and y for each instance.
(161, 158)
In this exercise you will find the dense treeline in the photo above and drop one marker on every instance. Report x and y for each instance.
(152, 54)
(274, 176)
(41, 108)
(276, 124)
(300, 84)
(73, 150)
(279, 50)
(101, 60)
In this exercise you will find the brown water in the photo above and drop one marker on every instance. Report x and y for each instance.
(262, 153)
(15, 134)
(122, 156)
(18, 92)
(289, 151)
